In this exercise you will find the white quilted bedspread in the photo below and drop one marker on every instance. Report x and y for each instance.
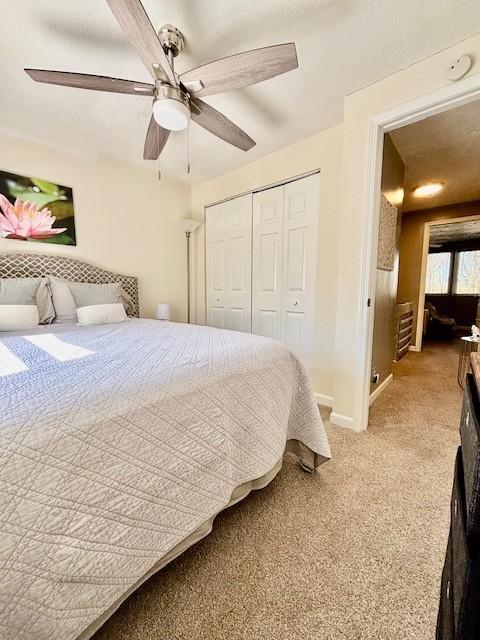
(108, 461)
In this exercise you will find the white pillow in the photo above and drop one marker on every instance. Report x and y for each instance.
(101, 313)
(18, 317)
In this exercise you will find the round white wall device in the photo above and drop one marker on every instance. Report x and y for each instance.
(459, 68)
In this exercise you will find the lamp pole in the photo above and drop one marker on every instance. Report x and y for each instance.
(187, 235)
(189, 225)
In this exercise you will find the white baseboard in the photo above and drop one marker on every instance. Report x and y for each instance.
(325, 401)
(342, 421)
(381, 388)
(413, 347)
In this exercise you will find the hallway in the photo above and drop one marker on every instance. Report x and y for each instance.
(424, 395)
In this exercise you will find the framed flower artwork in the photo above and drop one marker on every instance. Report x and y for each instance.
(36, 210)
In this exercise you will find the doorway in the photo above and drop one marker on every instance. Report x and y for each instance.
(440, 189)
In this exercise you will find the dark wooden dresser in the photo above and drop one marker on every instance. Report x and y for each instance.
(459, 610)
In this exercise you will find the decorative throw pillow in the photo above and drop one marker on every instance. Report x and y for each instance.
(46, 310)
(19, 290)
(87, 294)
(65, 308)
(101, 313)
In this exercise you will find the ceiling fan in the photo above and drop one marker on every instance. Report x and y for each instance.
(177, 98)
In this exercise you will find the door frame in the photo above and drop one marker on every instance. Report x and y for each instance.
(444, 99)
(423, 272)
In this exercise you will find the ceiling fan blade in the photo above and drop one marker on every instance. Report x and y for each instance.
(218, 124)
(156, 139)
(87, 81)
(241, 69)
(136, 25)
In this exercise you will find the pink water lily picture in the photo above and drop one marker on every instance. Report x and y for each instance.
(35, 210)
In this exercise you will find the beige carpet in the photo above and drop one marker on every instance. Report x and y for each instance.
(353, 552)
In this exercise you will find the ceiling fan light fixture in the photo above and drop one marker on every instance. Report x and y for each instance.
(171, 114)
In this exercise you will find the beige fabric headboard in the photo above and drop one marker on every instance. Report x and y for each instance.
(34, 265)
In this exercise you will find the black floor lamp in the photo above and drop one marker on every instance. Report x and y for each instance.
(189, 226)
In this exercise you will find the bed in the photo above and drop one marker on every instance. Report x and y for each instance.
(119, 444)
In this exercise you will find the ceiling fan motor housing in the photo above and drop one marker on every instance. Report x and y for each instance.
(165, 91)
(172, 39)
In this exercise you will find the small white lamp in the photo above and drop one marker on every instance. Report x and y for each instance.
(163, 311)
(189, 226)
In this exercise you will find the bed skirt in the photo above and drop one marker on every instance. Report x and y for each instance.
(309, 460)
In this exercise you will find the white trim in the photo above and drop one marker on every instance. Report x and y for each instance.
(272, 185)
(413, 347)
(381, 388)
(324, 400)
(423, 271)
(342, 421)
(449, 97)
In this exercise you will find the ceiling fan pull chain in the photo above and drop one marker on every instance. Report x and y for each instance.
(159, 163)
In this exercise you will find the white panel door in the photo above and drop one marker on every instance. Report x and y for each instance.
(267, 263)
(300, 241)
(229, 264)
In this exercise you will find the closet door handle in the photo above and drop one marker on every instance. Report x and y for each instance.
(217, 299)
(295, 303)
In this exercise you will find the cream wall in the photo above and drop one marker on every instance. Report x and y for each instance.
(411, 247)
(126, 220)
(410, 83)
(322, 151)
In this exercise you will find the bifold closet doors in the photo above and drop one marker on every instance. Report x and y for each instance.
(261, 257)
(229, 264)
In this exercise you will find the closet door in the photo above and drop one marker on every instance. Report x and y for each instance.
(300, 240)
(229, 262)
(267, 263)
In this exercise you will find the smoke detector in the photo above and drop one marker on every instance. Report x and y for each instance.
(459, 68)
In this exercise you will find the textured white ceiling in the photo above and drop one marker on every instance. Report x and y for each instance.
(342, 45)
(444, 148)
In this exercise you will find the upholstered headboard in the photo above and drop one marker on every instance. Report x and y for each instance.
(34, 265)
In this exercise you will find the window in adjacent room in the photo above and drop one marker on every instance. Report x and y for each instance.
(438, 272)
(467, 277)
